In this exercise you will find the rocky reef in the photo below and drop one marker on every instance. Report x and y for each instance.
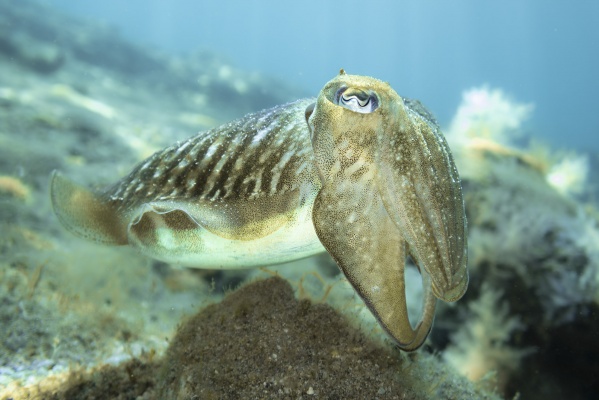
(531, 307)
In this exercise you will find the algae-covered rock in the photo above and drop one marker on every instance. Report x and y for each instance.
(529, 318)
(260, 342)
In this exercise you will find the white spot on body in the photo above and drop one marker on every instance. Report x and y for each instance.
(302, 167)
(264, 118)
(212, 150)
(183, 163)
(238, 163)
(165, 236)
(182, 147)
(276, 171)
(157, 172)
(260, 135)
(264, 155)
(146, 164)
(352, 217)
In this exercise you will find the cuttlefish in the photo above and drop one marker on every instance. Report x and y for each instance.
(359, 172)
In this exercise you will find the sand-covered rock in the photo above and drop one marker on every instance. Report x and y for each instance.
(260, 342)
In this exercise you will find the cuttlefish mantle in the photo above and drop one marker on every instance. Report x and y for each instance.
(359, 172)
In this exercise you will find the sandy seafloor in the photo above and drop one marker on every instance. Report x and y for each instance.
(81, 320)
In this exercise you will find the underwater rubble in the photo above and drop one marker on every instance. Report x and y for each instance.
(79, 320)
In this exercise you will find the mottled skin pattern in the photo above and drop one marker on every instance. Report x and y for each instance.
(360, 172)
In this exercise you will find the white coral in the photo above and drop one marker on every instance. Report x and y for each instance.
(487, 113)
(569, 175)
(481, 346)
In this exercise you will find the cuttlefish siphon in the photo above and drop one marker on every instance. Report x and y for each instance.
(359, 172)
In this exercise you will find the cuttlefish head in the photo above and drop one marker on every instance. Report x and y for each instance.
(390, 189)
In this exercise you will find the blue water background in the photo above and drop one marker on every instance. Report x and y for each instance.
(545, 51)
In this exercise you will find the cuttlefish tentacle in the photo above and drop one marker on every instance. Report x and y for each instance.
(389, 188)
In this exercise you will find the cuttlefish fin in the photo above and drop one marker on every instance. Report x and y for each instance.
(86, 213)
(171, 230)
(353, 225)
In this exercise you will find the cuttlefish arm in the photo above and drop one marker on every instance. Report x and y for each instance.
(389, 189)
(421, 174)
(353, 225)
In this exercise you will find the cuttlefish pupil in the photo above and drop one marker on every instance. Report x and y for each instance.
(356, 100)
(359, 172)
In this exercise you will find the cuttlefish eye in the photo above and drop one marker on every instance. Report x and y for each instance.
(356, 100)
